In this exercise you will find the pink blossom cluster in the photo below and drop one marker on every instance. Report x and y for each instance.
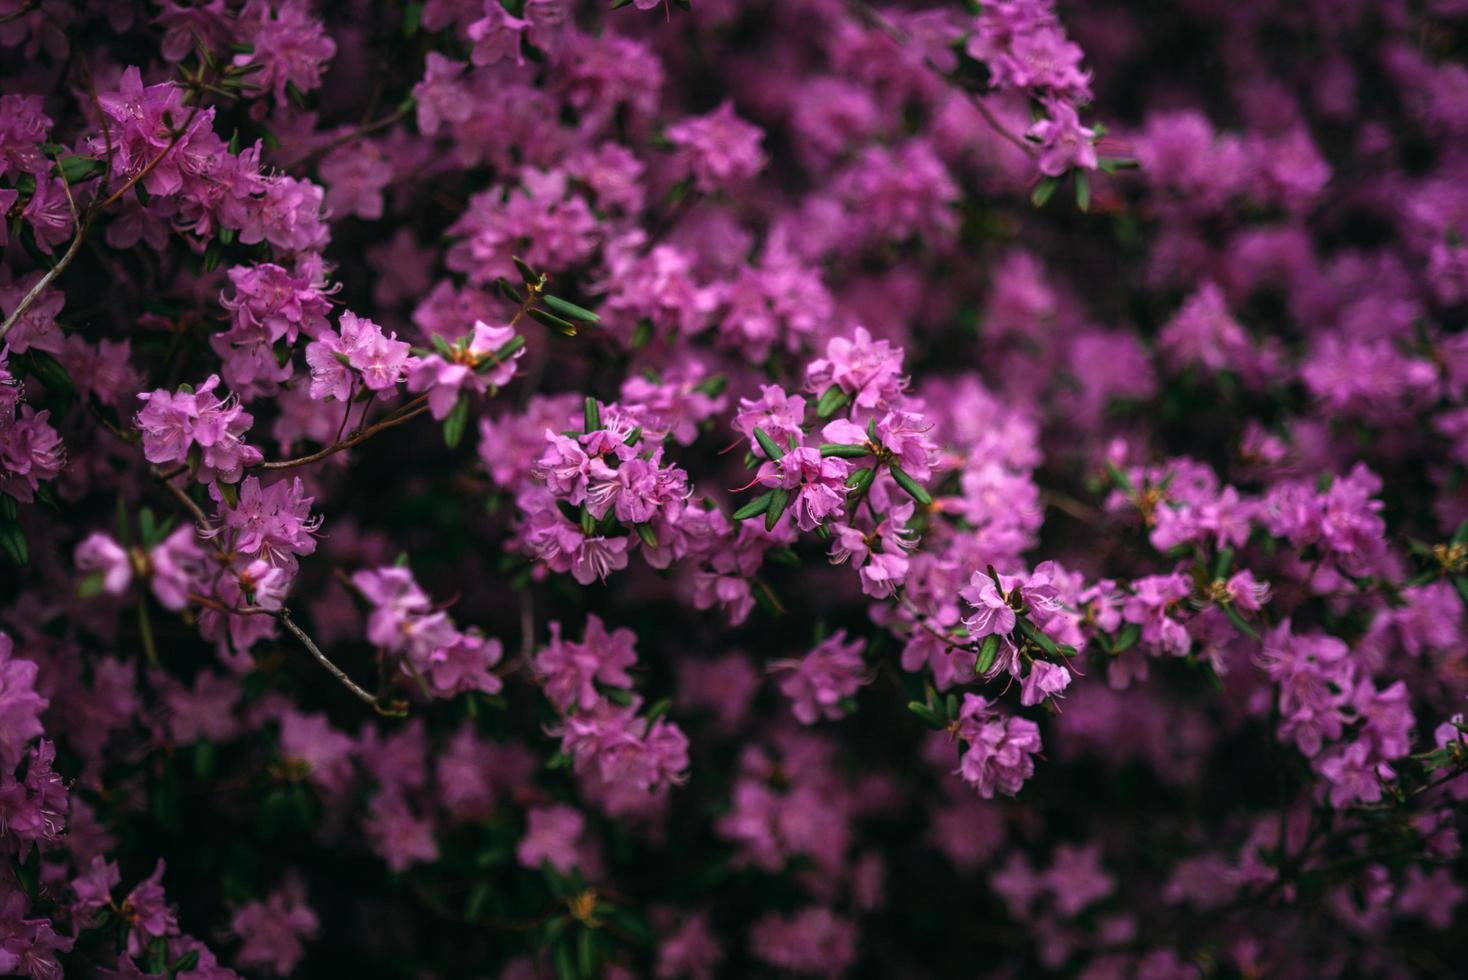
(685, 488)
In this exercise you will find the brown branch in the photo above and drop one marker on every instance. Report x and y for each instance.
(393, 709)
(85, 225)
(408, 411)
(872, 17)
(366, 129)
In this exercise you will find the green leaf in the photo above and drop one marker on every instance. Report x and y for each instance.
(1119, 478)
(412, 19)
(633, 437)
(844, 450)
(988, 653)
(772, 451)
(861, 479)
(73, 168)
(642, 334)
(502, 355)
(456, 421)
(1083, 190)
(648, 535)
(531, 277)
(784, 556)
(51, 373)
(911, 487)
(8, 508)
(755, 507)
(91, 585)
(508, 291)
(230, 492)
(833, 399)
(12, 542)
(444, 348)
(1461, 584)
(1239, 623)
(545, 319)
(591, 415)
(779, 500)
(586, 953)
(1037, 636)
(1129, 635)
(1460, 536)
(1224, 563)
(927, 715)
(1044, 191)
(570, 310)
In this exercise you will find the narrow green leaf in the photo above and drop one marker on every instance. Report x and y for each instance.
(1044, 191)
(779, 500)
(591, 415)
(844, 450)
(508, 291)
(570, 310)
(564, 327)
(911, 487)
(988, 653)
(772, 451)
(531, 277)
(648, 535)
(1119, 478)
(1239, 623)
(1129, 634)
(833, 399)
(1083, 190)
(755, 507)
(456, 422)
(927, 715)
(412, 20)
(12, 541)
(1037, 636)
(73, 168)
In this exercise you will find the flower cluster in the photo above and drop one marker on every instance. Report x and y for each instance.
(879, 562)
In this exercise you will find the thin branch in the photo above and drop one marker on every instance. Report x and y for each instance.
(872, 17)
(408, 411)
(393, 709)
(85, 225)
(366, 129)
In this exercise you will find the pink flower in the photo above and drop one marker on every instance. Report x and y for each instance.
(823, 678)
(718, 149)
(552, 835)
(474, 365)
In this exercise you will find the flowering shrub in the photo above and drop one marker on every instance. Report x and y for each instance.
(518, 488)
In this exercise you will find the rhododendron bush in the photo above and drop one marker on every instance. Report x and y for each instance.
(522, 488)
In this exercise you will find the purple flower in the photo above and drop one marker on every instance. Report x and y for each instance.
(552, 835)
(719, 149)
(992, 611)
(272, 931)
(999, 753)
(819, 681)
(174, 424)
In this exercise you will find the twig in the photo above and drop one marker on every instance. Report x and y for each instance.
(874, 18)
(410, 410)
(393, 709)
(363, 130)
(85, 225)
